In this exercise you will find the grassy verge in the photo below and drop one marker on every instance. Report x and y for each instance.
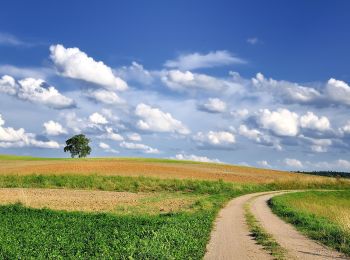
(262, 237)
(323, 216)
(32, 233)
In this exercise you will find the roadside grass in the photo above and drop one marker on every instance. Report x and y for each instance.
(321, 215)
(33, 233)
(262, 237)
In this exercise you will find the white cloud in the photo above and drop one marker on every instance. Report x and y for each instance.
(311, 121)
(264, 164)
(35, 91)
(338, 91)
(198, 60)
(73, 63)
(141, 147)
(252, 134)
(346, 128)
(26, 72)
(134, 137)
(54, 128)
(214, 105)
(153, 119)
(110, 134)
(240, 113)
(105, 96)
(258, 137)
(104, 146)
(98, 119)
(338, 165)
(10, 137)
(11, 40)
(253, 40)
(293, 163)
(287, 91)
(192, 157)
(281, 122)
(136, 72)
(74, 122)
(212, 138)
(107, 148)
(317, 145)
(8, 85)
(188, 81)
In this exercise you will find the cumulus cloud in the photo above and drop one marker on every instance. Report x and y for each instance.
(335, 92)
(54, 128)
(317, 145)
(153, 119)
(215, 139)
(10, 137)
(258, 137)
(134, 137)
(197, 60)
(135, 73)
(253, 134)
(26, 72)
(338, 91)
(311, 121)
(345, 129)
(107, 148)
(240, 113)
(287, 91)
(98, 119)
(281, 122)
(264, 164)
(137, 146)
(110, 134)
(36, 91)
(294, 163)
(8, 85)
(196, 158)
(337, 165)
(104, 96)
(213, 105)
(73, 63)
(187, 81)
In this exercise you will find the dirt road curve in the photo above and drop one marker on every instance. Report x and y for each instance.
(297, 245)
(231, 240)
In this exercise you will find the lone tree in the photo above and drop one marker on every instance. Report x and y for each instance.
(78, 145)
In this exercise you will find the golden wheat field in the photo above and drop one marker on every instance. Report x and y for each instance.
(149, 168)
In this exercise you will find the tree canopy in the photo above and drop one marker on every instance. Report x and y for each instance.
(78, 145)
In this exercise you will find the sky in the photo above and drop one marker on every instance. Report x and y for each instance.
(257, 83)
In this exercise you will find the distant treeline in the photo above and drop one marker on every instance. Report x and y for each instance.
(328, 173)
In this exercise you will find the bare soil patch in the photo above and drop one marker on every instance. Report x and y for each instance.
(98, 201)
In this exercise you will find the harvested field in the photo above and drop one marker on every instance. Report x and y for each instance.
(97, 201)
(129, 167)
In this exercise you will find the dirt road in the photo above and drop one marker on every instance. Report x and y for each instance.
(231, 238)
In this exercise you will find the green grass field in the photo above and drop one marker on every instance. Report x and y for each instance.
(128, 232)
(44, 233)
(321, 215)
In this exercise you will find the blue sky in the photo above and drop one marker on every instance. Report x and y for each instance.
(262, 83)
